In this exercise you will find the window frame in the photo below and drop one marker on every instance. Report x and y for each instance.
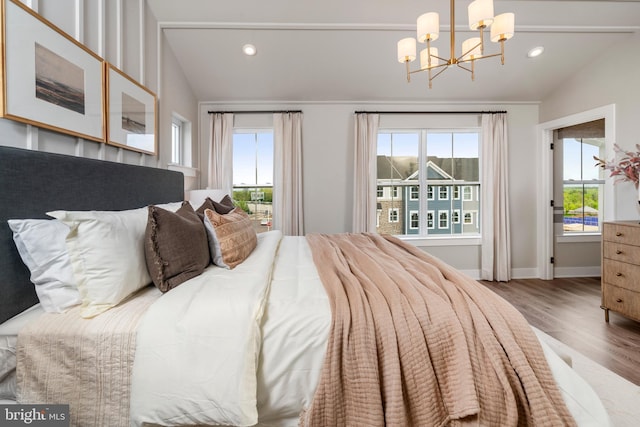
(396, 211)
(254, 187)
(411, 226)
(425, 236)
(583, 183)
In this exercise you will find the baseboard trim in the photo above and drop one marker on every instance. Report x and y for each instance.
(593, 271)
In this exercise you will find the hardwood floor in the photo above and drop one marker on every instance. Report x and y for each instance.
(569, 310)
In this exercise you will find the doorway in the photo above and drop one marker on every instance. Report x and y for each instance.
(556, 239)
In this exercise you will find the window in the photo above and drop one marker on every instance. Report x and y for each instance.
(455, 216)
(180, 137)
(414, 193)
(437, 172)
(583, 185)
(176, 143)
(430, 192)
(393, 215)
(253, 175)
(414, 222)
(395, 192)
(467, 194)
(443, 219)
(468, 218)
(443, 193)
(380, 191)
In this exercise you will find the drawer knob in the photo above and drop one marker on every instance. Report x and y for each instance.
(619, 274)
(618, 251)
(618, 299)
(618, 234)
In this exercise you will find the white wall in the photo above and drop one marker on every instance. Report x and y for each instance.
(612, 79)
(328, 131)
(122, 32)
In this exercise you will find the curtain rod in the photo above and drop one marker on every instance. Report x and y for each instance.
(430, 112)
(255, 112)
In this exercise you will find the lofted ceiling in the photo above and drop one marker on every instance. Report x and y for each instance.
(345, 50)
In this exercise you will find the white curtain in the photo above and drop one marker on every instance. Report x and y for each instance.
(364, 194)
(221, 152)
(287, 181)
(496, 239)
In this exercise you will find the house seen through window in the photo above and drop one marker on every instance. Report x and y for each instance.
(428, 182)
(253, 176)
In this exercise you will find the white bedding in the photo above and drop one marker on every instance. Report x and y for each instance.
(219, 381)
(8, 339)
(198, 346)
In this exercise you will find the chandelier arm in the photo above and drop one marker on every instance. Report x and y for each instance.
(438, 73)
(482, 57)
(465, 68)
(459, 59)
(419, 70)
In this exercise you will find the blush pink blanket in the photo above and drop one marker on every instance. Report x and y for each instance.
(416, 343)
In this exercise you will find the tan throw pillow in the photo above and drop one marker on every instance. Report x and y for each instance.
(231, 237)
(176, 247)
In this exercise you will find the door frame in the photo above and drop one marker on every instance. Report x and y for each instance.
(545, 179)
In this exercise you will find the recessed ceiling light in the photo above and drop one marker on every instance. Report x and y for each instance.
(536, 51)
(249, 49)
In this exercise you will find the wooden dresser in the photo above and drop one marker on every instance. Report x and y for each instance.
(621, 268)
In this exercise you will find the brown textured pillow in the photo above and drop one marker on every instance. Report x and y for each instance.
(176, 247)
(231, 237)
(207, 204)
(224, 206)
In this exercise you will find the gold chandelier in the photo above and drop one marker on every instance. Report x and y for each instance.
(428, 30)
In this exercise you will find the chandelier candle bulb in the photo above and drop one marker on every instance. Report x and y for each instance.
(428, 27)
(503, 27)
(480, 14)
(407, 49)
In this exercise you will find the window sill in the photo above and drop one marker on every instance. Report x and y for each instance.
(442, 241)
(579, 238)
(186, 170)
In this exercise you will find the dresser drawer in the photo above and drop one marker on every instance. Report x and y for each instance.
(621, 274)
(621, 300)
(621, 252)
(621, 233)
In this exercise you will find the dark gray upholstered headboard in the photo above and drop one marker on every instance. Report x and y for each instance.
(33, 183)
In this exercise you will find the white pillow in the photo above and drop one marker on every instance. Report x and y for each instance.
(41, 245)
(107, 255)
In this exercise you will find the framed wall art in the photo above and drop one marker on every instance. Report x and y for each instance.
(132, 118)
(49, 80)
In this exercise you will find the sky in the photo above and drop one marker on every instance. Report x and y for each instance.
(253, 158)
(576, 154)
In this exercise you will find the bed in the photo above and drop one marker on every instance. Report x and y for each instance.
(270, 342)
